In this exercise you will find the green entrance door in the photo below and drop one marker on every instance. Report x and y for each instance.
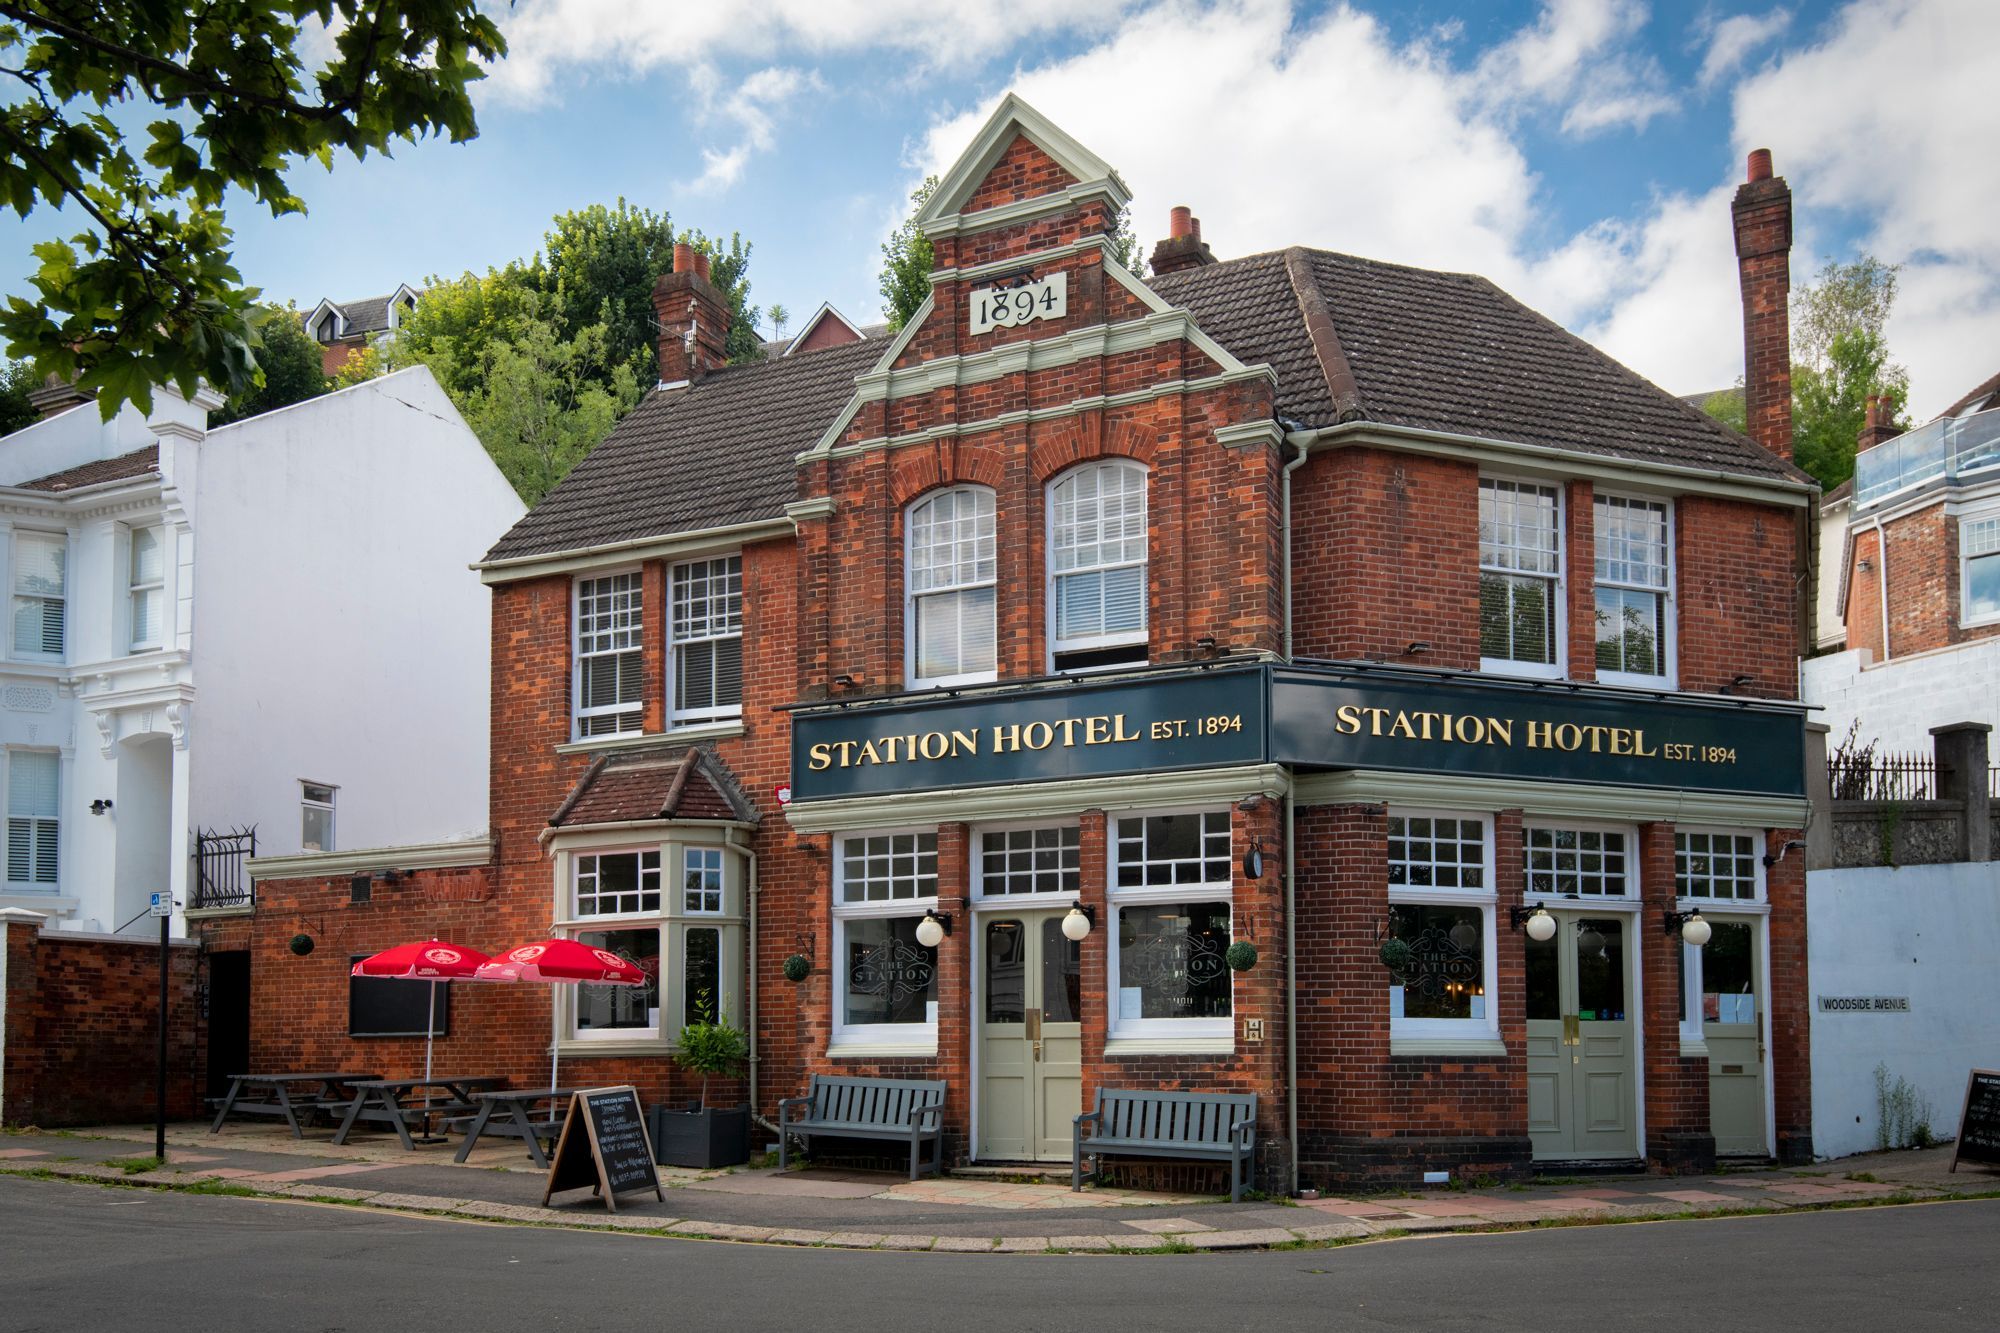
(1582, 1041)
(1030, 1039)
(1733, 1028)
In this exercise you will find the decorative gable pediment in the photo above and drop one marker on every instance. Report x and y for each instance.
(1018, 164)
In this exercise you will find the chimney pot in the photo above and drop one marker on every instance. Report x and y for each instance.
(1196, 224)
(701, 264)
(1180, 222)
(683, 257)
(1760, 164)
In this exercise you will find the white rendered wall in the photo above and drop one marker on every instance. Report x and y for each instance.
(339, 634)
(1900, 700)
(1931, 933)
(1828, 626)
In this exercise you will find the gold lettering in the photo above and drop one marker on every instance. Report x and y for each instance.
(1468, 730)
(1068, 728)
(1006, 736)
(1347, 719)
(934, 745)
(1029, 732)
(1621, 741)
(1500, 729)
(1401, 726)
(1375, 716)
(1118, 721)
(1541, 735)
(1426, 718)
(1096, 730)
(821, 756)
(846, 749)
(967, 741)
(869, 754)
(1639, 745)
(1569, 736)
(888, 744)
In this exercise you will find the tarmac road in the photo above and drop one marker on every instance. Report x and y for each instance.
(82, 1257)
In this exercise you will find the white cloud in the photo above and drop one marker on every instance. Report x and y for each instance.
(1733, 40)
(750, 110)
(1576, 56)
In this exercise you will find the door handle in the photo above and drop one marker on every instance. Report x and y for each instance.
(1033, 1021)
(1572, 1030)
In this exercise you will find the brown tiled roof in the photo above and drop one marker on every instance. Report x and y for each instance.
(135, 464)
(1451, 352)
(1978, 395)
(664, 783)
(712, 455)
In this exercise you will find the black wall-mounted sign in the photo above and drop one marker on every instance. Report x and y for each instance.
(1309, 718)
(1481, 727)
(1979, 1125)
(1202, 719)
(604, 1145)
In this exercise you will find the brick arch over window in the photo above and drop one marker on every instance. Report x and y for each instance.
(920, 468)
(1085, 439)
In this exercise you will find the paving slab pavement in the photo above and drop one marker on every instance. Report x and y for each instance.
(871, 1210)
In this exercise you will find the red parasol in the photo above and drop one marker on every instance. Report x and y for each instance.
(431, 960)
(561, 962)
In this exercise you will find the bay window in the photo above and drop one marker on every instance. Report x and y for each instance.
(1520, 577)
(1171, 930)
(1442, 907)
(1633, 588)
(949, 606)
(1097, 566)
(885, 992)
(705, 640)
(608, 656)
(688, 942)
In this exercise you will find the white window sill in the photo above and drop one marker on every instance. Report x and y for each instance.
(635, 740)
(1694, 1048)
(1493, 666)
(1635, 682)
(638, 1045)
(1118, 1047)
(1473, 1047)
(883, 1050)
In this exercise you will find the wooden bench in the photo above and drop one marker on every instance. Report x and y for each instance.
(836, 1106)
(1212, 1126)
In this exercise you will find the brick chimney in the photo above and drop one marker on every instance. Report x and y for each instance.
(1879, 424)
(694, 319)
(1183, 247)
(56, 395)
(1762, 214)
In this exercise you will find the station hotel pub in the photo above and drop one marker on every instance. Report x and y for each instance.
(960, 705)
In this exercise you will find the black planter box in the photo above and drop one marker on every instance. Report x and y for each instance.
(699, 1138)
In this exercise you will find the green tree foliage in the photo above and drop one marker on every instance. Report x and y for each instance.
(148, 293)
(907, 257)
(780, 318)
(288, 363)
(17, 380)
(1840, 356)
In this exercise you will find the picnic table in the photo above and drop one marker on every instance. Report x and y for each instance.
(510, 1113)
(380, 1101)
(314, 1092)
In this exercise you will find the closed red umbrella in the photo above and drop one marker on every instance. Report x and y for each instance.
(563, 963)
(431, 960)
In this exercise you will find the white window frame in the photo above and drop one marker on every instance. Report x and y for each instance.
(1669, 604)
(720, 868)
(578, 713)
(135, 588)
(574, 908)
(1757, 871)
(1968, 524)
(15, 595)
(32, 884)
(572, 924)
(329, 805)
(874, 1038)
(981, 894)
(1487, 900)
(1693, 1039)
(912, 653)
(1218, 1030)
(1053, 577)
(1632, 869)
(1556, 669)
(677, 576)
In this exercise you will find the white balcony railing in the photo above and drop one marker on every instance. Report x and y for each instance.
(1947, 449)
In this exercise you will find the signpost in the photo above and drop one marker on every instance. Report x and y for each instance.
(163, 908)
(1979, 1123)
(604, 1145)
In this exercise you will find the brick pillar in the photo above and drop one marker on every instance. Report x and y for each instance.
(1790, 1001)
(1093, 987)
(954, 988)
(653, 646)
(1961, 750)
(1581, 556)
(20, 1053)
(1257, 914)
(1762, 214)
(1678, 1138)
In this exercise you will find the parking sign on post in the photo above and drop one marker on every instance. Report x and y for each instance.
(163, 904)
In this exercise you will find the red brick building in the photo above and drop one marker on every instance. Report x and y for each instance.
(1345, 610)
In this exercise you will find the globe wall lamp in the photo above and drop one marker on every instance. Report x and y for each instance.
(1535, 921)
(1691, 928)
(1077, 923)
(933, 928)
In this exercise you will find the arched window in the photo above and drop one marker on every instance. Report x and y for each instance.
(949, 612)
(1097, 566)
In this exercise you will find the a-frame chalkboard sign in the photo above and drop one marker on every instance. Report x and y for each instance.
(604, 1145)
(1979, 1125)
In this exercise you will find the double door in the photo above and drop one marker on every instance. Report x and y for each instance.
(1582, 1040)
(1030, 1037)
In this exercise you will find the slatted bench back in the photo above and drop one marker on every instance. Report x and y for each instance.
(872, 1101)
(1194, 1118)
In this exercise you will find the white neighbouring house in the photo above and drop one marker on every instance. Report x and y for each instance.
(268, 625)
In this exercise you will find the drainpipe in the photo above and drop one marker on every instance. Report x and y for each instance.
(1299, 439)
(1882, 582)
(1291, 900)
(751, 891)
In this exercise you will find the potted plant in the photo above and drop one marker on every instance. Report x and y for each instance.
(705, 1136)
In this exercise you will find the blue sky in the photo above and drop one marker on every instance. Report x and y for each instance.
(1578, 152)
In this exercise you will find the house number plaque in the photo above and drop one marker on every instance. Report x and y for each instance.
(1014, 304)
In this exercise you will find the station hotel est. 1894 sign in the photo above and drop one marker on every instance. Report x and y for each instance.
(1308, 717)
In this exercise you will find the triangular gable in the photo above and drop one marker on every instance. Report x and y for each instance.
(339, 319)
(1014, 119)
(820, 316)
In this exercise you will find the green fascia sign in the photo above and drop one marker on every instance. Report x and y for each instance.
(1332, 716)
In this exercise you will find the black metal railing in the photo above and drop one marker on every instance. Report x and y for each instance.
(1867, 776)
(221, 879)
